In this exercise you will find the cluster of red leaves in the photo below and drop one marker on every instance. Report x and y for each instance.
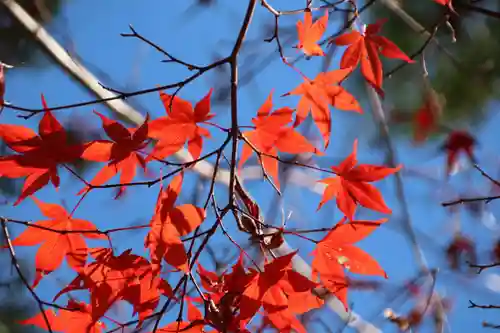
(230, 299)
(126, 277)
(40, 155)
(280, 291)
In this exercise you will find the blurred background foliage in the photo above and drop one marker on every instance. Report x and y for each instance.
(17, 47)
(466, 73)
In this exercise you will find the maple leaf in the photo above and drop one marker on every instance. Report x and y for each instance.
(364, 47)
(61, 236)
(168, 224)
(336, 252)
(271, 289)
(271, 135)
(122, 154)
(75, 318)
(351, 185)
(40, 154)
(309, 33)
(181, 124)
(127, 277)
(318, 94)
(457, 142)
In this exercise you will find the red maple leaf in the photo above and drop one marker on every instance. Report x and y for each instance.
(40, 154)
(336, 252)
(457, 142)
(127, 277)
(61, 236)
(271, 289)
(168, 224)
(318, 94)
(309, 33)
(76, 318)
(122, 154)
(271, 135)
(351, 185)
(181, 124)
(365, 46)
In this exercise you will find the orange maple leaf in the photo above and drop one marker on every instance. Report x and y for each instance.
(351, 185)
(40, 154)
(75, 318)
(122, 154)
(270, 136)
(181, 124)
(271, 289)
(318, 94)
(309, 34)
(61, 236)
(168, 224)
(335, 252)
(365, 46)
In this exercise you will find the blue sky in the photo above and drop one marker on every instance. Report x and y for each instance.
(200, 35)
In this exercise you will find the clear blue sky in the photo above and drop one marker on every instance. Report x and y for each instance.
(199, 36)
